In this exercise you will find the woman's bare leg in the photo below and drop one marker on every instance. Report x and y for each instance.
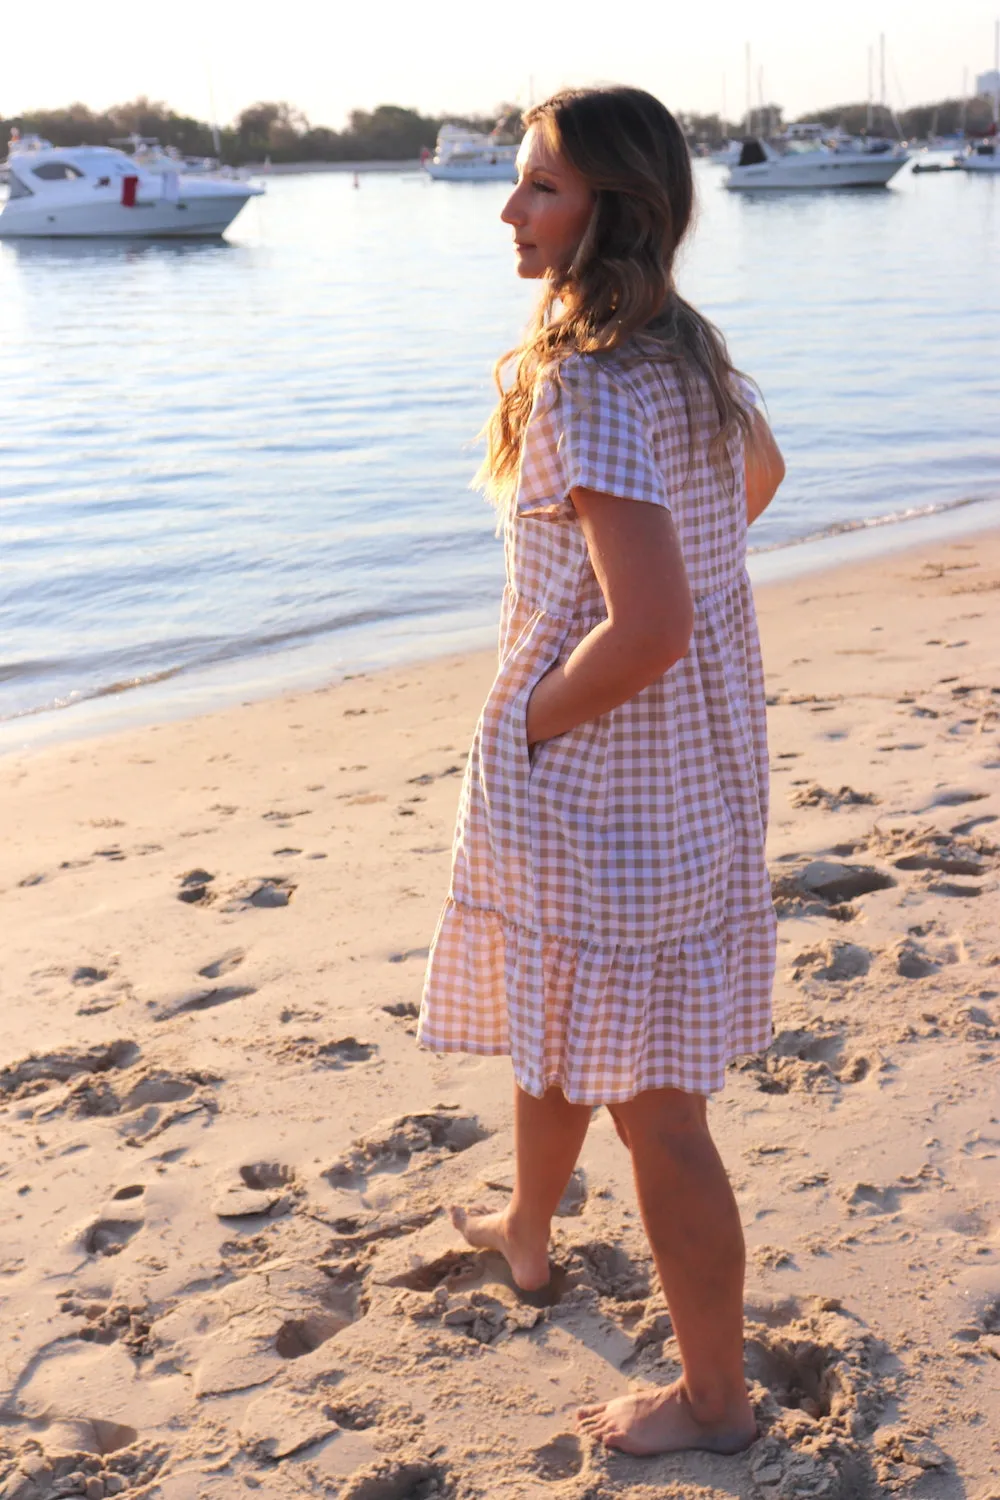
(548, 1135)
(694, 1230)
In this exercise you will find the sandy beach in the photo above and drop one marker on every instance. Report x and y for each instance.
(224, 1262)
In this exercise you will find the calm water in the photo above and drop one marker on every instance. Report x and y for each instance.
(229, 467)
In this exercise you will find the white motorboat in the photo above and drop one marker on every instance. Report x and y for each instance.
(466, 156)
(982, 156)
(90, 192)
(811, 156)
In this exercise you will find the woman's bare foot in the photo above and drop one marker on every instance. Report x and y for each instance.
(528, 1260)
(662, 1420)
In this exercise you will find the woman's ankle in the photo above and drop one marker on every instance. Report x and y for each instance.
(527, 1229)
(717, 1403)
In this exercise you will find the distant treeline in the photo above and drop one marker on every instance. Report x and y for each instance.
(944, 118)
(266, 130)
(390, 133)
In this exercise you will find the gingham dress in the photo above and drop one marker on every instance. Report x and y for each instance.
(609, 922)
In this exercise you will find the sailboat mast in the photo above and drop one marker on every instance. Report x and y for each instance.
(871, 85)
(749, 93)
(965, 95)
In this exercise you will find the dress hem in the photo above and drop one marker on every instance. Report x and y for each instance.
(602, 1022)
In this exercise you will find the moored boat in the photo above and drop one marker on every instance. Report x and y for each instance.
(811, 156)
(91, 192)
(467, 156)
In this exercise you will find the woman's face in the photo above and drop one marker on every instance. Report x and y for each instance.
(548, 210)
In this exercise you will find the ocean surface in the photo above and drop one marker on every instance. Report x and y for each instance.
(227, 468)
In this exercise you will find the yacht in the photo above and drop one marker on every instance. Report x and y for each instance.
(462, 155)
(58, 192)
(981, 156)
(814, 156)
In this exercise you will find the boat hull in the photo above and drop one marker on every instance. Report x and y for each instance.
(204, 216)
(829, 172)
(501, 171)
(979, 163)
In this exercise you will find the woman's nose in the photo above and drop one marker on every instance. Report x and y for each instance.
(513, 211)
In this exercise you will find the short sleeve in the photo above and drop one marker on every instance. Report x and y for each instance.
(587, 430)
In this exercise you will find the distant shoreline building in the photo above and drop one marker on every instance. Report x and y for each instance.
(988, 84)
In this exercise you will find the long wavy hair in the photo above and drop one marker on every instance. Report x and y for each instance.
(619, 285)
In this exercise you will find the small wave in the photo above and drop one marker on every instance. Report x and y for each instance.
(222, 651)
(868, 523)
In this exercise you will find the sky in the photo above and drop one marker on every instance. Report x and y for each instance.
(214, 57)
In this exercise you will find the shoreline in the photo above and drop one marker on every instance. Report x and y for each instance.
(322, 662)
(301, 168)
(225, 1260)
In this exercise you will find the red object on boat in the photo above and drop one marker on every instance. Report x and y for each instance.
(129, 185)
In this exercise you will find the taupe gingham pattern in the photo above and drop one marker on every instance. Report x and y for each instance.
(609, 922)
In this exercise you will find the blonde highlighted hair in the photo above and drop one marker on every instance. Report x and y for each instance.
(619, 285)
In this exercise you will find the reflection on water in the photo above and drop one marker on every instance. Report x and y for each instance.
(216, 451)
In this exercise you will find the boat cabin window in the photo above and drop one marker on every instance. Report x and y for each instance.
(56, 171)
(752, 154)
(17, 188)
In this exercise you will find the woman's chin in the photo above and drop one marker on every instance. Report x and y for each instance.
(528, 268)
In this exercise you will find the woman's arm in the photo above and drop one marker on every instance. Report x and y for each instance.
(637, 559)
(764, 467)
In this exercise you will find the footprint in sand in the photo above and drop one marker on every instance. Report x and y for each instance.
(398, 1479)
(953, 797)
(112, 1323)
(773, 1258)
(109, 1235)
(811, 794)
(195, 1000)
(609, 1270)
(404, 1010)
(812, 1361)
(338, 1054)
(88, 974)
(258, 1188)
(867, 1198)
(267, 893)
(830, 960)
(811, 1062)
(561, 1458)
(824, 887)
(224, 964)
(40, 1071)
(429, 1137)
(195, 888)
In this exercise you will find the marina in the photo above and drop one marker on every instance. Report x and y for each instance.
(243, 464)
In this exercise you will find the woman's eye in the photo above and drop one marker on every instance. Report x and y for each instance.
(543, 187)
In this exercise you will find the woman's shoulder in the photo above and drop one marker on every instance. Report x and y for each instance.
(611, 379)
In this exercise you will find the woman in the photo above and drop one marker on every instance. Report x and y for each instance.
(609, 922)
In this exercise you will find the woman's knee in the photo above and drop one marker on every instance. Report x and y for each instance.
(669, 1118)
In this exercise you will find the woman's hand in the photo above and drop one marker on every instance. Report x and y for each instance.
(636, 557)
(763, 465)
